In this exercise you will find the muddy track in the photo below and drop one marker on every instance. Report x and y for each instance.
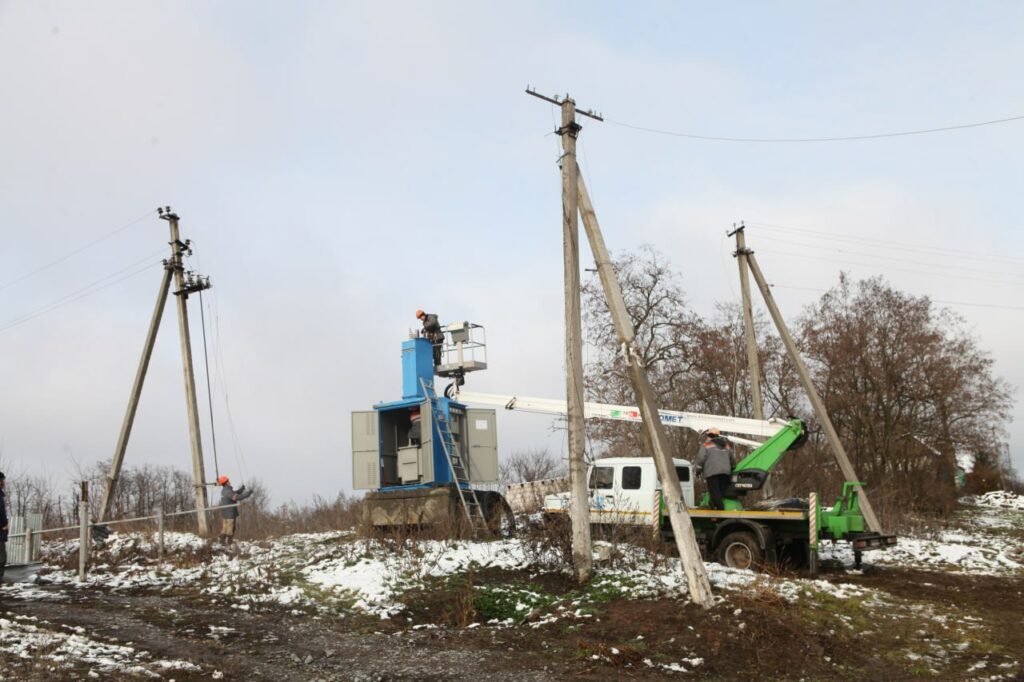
(274, 645)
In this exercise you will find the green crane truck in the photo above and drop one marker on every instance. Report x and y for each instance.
(626, 490)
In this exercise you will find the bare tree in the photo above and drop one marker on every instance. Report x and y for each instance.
(906, 385)
(530, 465)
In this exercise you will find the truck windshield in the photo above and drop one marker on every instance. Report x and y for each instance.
(683, 473)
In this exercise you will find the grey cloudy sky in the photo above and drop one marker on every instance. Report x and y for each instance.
(338, 165)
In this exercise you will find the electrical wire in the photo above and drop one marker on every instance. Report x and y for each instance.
(840, 138)
(943, 266)
(933, 300)
(77, 251)
(209, 392)
(843, 261)
(81, 293)
(899, 246)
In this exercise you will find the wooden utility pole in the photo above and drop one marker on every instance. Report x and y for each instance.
(191, 405)
(582, 552)
(173, 267)
(812, 394)
(682, 527)
(753, 369)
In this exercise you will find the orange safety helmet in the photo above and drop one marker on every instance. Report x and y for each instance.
(223, 480)
(420, 314)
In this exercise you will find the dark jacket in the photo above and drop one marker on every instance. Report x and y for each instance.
(714, 458)
(432, 328)
(229, 495)
(3, 516)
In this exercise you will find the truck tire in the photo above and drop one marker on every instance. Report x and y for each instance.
(740, 550)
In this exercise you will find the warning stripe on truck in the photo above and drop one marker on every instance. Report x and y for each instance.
(747, 513)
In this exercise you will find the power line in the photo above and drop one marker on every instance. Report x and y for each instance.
(899, 246)
(77, 251)
(943, 266)
(842, 138)
(877, 267)
(82, 292)
(933, 300)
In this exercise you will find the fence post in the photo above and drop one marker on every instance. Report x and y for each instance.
(83, 534)
(160, 533)
(28, 544)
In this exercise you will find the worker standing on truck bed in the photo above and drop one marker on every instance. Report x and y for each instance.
(432, 332)
(229, 515)
(714, 465)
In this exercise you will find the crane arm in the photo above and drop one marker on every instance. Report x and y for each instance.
(764, 428)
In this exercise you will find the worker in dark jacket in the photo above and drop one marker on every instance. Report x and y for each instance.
(4, 525)
(432, 332)
(229, 515)
(714, 464)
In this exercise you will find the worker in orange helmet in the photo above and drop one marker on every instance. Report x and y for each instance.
(229, 514)
(432, 332)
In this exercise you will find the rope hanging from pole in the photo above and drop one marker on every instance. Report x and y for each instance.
(209, 392)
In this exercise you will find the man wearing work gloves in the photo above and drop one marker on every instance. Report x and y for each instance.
(714, 465)
(229, 515)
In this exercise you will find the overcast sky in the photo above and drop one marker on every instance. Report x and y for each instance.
(339, 165)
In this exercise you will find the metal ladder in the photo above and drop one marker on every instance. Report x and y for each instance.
(470, 501)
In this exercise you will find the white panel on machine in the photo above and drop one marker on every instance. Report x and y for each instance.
(365, 451)
(482, 442)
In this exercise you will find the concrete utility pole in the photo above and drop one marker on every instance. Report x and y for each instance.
(812, 394)
(753, 370)
(133, 400)
(582, 552)
(682, 527)
(175, 268)
(191, 405)
(748, 323)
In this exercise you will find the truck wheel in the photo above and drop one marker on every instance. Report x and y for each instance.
(740, 550)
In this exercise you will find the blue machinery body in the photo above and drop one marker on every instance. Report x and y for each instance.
(457, 445)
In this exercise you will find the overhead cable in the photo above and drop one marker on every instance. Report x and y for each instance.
(843, 261)
(837, 138)
(933, 300)
(84, 292)
(942, 266)
(77, 251)
(899, 246)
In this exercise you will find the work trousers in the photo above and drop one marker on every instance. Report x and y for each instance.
(717, 485)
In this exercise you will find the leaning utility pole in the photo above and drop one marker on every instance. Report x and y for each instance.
(812, 394)
(682, 527)
(753, 371)
(174, 267)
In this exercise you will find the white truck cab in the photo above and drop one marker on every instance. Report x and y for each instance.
(624, 490)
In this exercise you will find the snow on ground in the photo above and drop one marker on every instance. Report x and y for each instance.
(33, 639)
(340, 573)
(997, 498)
(979, 545)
